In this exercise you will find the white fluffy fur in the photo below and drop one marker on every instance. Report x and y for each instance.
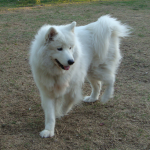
(95, 51)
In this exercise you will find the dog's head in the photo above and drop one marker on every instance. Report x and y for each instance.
(60, 41)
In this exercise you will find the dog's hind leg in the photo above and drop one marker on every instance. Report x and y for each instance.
(68, 103)
(109, 89)
(96, 88)
(74, 97)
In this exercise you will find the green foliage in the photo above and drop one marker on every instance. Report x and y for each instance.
(19, 3)
(135, 4)
(28, 2)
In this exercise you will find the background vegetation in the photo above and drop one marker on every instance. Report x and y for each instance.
(24, 3)
(18, 3)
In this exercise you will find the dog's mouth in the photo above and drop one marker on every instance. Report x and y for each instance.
(63, 67)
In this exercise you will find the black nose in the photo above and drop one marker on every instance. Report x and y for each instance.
(70, 62)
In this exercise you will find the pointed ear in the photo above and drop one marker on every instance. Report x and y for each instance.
(72, 26)
(51, 33)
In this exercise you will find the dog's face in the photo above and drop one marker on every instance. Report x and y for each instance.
(60, 42)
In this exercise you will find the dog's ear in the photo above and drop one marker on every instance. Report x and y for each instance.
(72, 26)
(51, 34)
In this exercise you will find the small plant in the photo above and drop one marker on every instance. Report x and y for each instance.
(140, 35)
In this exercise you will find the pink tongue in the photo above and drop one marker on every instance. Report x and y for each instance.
(66, 67)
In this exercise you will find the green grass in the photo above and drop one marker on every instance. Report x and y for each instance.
(24, 3)
(140, 35)
(135, 4)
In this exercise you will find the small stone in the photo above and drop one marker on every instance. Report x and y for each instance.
(68, 138)
(3, 125)
(55, 140)
(101, 124)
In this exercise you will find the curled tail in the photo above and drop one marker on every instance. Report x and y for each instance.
(103, 30)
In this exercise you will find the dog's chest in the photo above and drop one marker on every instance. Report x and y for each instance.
(60, 87)
(56, 86)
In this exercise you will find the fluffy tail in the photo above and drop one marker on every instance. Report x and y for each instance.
(103, 30)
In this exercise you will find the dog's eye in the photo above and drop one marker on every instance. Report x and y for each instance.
(59, 49)
(70, 48)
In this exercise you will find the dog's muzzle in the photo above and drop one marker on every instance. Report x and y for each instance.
(70, 62)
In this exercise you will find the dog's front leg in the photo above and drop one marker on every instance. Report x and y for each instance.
(49, 110)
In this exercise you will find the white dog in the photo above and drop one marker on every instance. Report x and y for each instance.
(61, 57)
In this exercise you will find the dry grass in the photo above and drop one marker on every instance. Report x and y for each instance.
(122, 123)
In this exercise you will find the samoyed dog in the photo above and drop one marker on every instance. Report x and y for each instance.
(61, 57)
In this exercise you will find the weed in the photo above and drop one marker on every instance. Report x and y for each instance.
(141, 35)
(14, 122)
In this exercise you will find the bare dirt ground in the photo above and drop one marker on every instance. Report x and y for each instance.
(121, 124)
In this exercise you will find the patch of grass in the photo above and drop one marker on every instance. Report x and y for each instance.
(141, 35)
(30, 3)
(14, 122)
(135, 4)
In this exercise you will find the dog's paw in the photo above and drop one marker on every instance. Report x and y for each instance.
(104, 99)
(89, 99)
(46, 133)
